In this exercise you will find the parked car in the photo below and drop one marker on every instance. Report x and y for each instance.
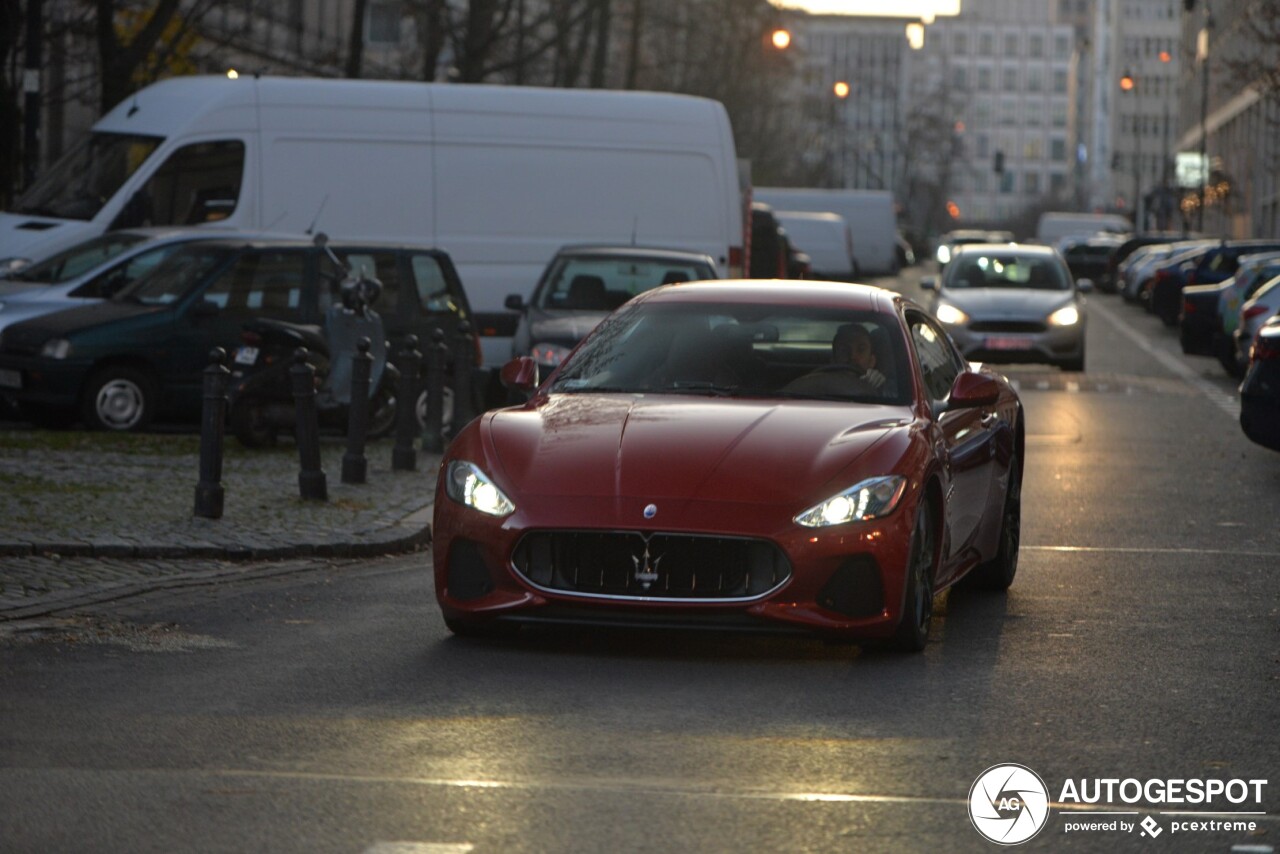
(1210, 313)
(582, 284)
(677, 471)
(91, 271)
(1110, 281)
(141, 354)
(1207, 266)
(1013, 302)
(1254, 314)
(1055, 225)
(1090, 257)
(1260, 391)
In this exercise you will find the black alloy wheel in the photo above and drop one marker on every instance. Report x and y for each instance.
(998, 573)
(917, 612)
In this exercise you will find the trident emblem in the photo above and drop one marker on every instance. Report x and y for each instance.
(646, 568)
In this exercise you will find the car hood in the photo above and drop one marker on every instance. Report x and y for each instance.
(561, 326)
(1006, 303)
(748, 451)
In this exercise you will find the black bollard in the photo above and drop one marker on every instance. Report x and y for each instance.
(403, 456)
(311, 480)
(209, 491)
(433, 430)
(355, 467)
(463, 353)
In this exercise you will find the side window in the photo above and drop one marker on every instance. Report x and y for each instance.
(383, 266)
(939, 364)
(434, 296)
(261, 284)
(198, 183)
(108, 283)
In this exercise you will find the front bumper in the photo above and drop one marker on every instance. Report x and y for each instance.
(844, 582)
(1018, 342)
(49, 382)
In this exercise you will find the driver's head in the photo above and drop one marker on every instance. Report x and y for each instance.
(852, 346)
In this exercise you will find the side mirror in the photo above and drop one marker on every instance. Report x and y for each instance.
(205, 308)
(520, 374)
(971, 390)
(929, 283)
(1084, 286)
(514, 302)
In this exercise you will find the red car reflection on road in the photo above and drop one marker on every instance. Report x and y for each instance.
(745, 455)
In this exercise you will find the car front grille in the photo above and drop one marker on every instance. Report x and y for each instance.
(631, 565)
(1007, 326)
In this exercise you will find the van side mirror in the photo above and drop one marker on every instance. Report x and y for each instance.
(929, 283)
(514, 302)
(520, 374)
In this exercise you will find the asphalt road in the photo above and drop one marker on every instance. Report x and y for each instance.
(330, 711)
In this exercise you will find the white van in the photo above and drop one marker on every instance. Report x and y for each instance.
(1055, 225)
(500, 177)
(870, 215)
(825, 238)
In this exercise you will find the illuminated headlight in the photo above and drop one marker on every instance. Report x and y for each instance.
(944, 255)
(870, 499)
(12, 265)
(548, 354)
(467, 485)
(950, 315)
(56, 348)
(1068, 315)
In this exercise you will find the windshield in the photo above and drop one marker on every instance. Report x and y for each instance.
(78, 259)
(604, 283)
(176, 275)
(1007, 270)
(86, 177)
(791, 352)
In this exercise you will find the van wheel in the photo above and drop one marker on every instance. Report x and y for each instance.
(382, 412)
(119, 398)
(446, 412)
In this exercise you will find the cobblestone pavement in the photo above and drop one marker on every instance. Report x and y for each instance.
(89, 517)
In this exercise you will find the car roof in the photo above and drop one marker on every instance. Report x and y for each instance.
(1030, 249)
(614, 249)
(259, 240)
(788, 292)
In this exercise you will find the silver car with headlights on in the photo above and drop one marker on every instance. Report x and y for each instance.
(1012, 303)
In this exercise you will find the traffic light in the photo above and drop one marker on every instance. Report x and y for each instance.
(998, 165)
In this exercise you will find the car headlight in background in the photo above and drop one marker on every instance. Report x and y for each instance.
(548, 354)
(870, 499)
(466, 484)
(56, 348)
(950, 315)
(1068, 315)
(13, 265)
(944, 255)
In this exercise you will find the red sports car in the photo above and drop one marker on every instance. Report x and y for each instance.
(746, 455)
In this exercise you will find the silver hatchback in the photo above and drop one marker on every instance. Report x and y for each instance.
(1012, 303)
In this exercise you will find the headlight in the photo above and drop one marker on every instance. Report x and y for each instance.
(944, 255)
(870, 499)
(467, 485)
(12, 265)
(950, 315)
(1068, 315)
(56, 348)
(548, 354)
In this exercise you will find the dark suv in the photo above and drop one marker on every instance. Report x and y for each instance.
(122, 362)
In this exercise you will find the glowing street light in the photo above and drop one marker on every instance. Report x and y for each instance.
(781, 39)
(841, 89)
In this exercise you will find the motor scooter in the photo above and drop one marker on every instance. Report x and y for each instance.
(261, 403)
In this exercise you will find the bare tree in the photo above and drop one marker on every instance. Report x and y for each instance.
(10, 113)
(126, 65)
(355, 48)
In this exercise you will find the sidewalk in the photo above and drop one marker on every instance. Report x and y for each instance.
(78, 494)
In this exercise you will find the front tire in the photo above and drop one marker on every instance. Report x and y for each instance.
(917, 610)
(120, 399)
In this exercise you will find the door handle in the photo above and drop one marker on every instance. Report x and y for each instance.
(989, 419)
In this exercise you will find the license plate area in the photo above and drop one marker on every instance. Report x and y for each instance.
(1007, 342)
(246, 355)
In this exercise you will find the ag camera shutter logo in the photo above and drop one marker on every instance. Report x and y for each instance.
(1009, 804)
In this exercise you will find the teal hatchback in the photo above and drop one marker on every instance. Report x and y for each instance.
(121, 363)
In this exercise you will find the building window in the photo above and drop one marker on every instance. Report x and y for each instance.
(383, 25)
(960, 44)
(1009, 80)
(986, 44)
(1035, 80)
(1061, 47)
(1057, 182)
(1035, 45)
(1058, 150)
(1031, 183)
(1060, 82)
(984, 79)
(1011, 44)
(1007, 180)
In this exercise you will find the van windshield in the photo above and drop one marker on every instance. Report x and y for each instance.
(86, 177)
(176, 275)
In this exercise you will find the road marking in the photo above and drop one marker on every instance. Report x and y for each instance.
(1152, 550)
(419, 848)
(1226, 402)
(649, 787)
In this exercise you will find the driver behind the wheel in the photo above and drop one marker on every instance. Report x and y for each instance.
(852, 369)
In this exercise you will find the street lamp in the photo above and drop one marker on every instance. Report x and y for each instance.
(781, 38)
(1128, 83)
(1202, 53)
(841, 90)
